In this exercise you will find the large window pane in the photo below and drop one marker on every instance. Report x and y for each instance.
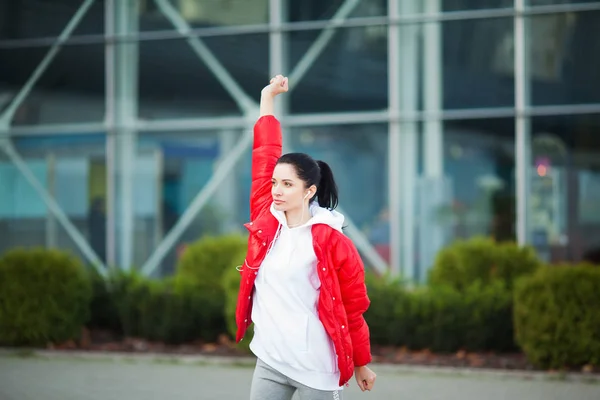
(171, 169)
(71, 88)
(349, 74)
(28, 19)
(564, 58)
(73, 170)
(175, 82)
(478, 181)
(565, 187)
(477, 63)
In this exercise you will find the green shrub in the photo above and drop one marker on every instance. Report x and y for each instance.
(204, 263)
(231, 285)
(556, 316)
(482, 259)
(389, 315)
(208, 258)
(441, 318)
(172, 311)
(44, 297)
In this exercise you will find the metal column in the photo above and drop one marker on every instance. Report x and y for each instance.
(121, 114)
(522, 123)
(278, 55)
(403, 94)
(433, 186)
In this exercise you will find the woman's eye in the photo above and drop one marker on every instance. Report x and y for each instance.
(288, 184)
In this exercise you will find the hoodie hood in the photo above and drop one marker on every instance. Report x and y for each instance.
(320, 215)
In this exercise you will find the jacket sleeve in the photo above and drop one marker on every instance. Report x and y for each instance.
(351, 276)
(266, 150)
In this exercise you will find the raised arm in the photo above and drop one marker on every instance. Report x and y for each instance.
(277, 85)
(267, 147)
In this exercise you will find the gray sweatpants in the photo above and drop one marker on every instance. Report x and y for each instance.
(268, 384)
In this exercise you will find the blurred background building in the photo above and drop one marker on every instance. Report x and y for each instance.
(125, 125)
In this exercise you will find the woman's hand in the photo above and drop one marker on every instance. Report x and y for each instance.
(278, 85)
(365, 377)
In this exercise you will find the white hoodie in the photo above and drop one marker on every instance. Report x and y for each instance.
(288, 335)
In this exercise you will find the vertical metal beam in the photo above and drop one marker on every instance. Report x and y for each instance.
(158, 223)
(110, 146)
(227, 193)
(403, 78)
(522, 123)
(279, 55)
(394, 140)
(432, 186)
(51, 232)
(433, 92)
(9, 112)
(409, 78)
(121, 70)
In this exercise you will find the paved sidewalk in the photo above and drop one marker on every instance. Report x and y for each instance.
(147, 377)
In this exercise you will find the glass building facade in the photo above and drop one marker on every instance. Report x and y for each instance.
(125, 125)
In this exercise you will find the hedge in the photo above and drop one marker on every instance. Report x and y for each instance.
(556, 316)
(482, 259)
(482, 296)
(441, 318)
(44, 297)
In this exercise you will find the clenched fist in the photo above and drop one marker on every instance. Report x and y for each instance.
(278, 85)
(365, 378)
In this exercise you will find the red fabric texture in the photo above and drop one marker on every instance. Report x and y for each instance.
(343, 297)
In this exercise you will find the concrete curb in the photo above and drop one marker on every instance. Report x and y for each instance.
(231, 361)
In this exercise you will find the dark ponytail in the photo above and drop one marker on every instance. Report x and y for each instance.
(315, 173)
(327, 191)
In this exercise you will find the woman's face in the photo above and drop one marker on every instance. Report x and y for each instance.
(288, 190)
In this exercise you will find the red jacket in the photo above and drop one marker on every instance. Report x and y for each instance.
(343, 296)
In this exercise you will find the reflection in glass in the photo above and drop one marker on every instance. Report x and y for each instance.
(565, 187)
(564, 62)
(479, 161)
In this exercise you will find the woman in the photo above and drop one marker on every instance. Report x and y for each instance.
(303, 280)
